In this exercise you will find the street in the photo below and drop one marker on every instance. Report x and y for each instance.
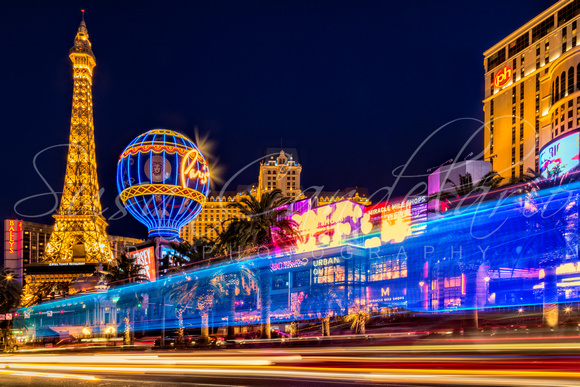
(521, 363)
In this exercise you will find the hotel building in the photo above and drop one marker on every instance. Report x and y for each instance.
(532, 89)
(213, 216)
(280, 169)
(24, 244)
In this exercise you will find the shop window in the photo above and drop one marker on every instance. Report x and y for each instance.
(301, 279)
(280, 281)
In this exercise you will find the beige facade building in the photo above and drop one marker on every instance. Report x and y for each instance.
(280, 170)
(356, 194)
(213, 216)
(532, 89)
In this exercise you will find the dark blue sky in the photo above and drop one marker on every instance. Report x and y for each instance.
(355, 86)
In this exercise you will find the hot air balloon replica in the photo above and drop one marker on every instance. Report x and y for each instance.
(163, 181)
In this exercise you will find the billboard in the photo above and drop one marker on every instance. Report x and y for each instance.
(146, 258)
(560, 155)
(396, 221)
(328, 225)
(384, 293)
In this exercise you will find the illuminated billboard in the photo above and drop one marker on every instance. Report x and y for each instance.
(146, 258)
(328, 225)
(560, 155)
(396, 221)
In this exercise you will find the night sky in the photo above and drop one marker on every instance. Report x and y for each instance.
(355, 86)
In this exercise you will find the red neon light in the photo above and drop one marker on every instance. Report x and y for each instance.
(190, 171)
(463, 284)
(19, 238)
(502, 78)
(12, 238)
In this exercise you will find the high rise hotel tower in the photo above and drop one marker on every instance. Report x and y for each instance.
(532, 89)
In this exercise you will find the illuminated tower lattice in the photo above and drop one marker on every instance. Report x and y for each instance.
(80, 229)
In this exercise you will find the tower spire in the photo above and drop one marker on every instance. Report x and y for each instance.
(80, 229)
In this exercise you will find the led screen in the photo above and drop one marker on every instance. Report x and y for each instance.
(560, 156)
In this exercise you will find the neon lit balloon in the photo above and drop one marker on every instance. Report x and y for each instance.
(163, 181)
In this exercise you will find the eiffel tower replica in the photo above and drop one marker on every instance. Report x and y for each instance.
(79, 233)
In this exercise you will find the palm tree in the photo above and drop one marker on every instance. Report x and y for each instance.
(321, 302)
(531, 175)
(237, 282)
(358, 317)
(33, 293)
(10, 297)
(185, 253)
(466, 186)
(489, 181)
(264, 225)
(469, 264)
(128, 301)
(125, 269)
(551, 232)
(198, 291)
(552, 226)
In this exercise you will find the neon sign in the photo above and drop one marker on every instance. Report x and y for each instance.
(326, 261)
(502, 78)
(289, 264)
(190, 172)
(11, 235)
(13, 230)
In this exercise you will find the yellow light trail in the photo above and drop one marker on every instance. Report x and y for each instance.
(229, 360)
(503, 378)
(48, 375)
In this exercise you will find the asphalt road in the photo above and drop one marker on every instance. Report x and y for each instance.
(519, 363)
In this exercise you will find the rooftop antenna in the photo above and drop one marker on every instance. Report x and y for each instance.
(448, 161)
(83, 14)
